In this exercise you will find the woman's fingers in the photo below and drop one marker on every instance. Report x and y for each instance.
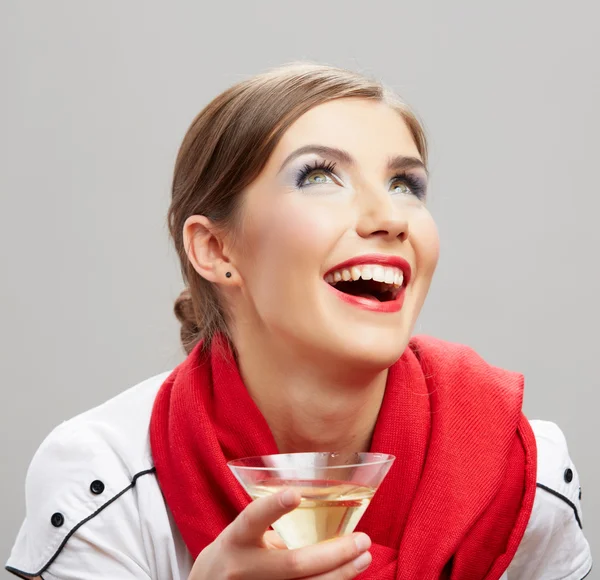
(246, 537)
(349, 570)
(320, 559)
(249, 527)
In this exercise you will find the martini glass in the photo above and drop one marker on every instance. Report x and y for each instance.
(336, 489)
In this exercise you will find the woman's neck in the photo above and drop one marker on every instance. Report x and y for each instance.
(311, 405)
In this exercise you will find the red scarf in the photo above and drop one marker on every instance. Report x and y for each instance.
(454, 505)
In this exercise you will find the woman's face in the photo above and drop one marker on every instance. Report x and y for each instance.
(337, 249)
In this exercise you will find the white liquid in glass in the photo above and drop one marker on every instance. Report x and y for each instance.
(328, 509)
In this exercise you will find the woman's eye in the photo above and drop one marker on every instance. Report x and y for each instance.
(317, 177)
(401, 187)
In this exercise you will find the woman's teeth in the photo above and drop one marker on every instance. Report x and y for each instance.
(384, 274)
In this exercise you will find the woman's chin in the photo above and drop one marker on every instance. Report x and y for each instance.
(375, 350)
(344, 343)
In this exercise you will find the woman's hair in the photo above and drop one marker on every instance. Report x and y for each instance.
(227, 146)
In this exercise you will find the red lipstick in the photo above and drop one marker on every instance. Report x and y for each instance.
(379, 260)
(373, 304)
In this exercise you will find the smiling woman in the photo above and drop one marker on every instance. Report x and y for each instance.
(358, 195)
(299, 214)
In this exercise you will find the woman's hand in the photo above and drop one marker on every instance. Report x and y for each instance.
(245, 550)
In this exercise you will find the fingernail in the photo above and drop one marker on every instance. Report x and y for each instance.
(362, 562)
(288, 498)
(362, 541)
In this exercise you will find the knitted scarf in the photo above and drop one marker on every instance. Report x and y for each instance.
(455, 503)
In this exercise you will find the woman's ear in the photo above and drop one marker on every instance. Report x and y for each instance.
(204, 246)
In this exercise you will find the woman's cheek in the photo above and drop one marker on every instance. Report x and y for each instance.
(425, 240)
(311, 229)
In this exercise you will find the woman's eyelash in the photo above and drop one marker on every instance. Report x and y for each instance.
(324, 166)
(415, 183)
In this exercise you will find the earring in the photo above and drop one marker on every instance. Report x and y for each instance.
(228, 274)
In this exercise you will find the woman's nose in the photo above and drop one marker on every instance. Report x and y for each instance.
(380, 217)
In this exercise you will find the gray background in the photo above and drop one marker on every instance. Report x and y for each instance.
(96, 97)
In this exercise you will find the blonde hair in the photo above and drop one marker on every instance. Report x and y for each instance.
(226, 147)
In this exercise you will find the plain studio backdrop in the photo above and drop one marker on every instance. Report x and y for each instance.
(96, 97)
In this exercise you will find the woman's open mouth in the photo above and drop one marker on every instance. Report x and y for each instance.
(375, 286)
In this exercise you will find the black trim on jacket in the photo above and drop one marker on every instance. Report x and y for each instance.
(565, 499)
(28, 575)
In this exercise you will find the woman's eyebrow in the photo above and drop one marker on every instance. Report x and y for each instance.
(395, 163)
(402, 163)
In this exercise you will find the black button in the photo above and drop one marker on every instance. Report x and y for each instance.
(568, 475)
(97, 487)
(57, 520)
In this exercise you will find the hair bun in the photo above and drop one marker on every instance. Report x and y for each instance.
(184, 311)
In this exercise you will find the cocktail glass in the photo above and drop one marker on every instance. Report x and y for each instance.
(336, 489)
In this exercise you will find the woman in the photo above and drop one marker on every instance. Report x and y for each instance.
(299, 215)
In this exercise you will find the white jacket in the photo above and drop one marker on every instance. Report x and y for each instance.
(95, 509)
